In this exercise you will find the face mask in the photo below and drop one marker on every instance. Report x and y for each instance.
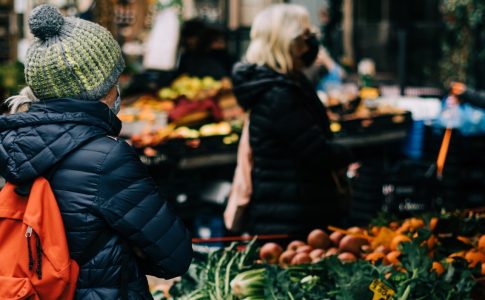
(308, 58)
(117, 105)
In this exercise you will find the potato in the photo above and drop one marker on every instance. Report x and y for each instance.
(352, 244)
(318, 239)
(295, 244)
(382, 249)
(355, 229)
(331, 251)
(335, 237)
(347, 257)
(286, 257)
(301, 258)
(270, 253)
(317, 253)
(305, 249)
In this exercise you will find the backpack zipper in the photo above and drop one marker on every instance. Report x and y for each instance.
(28, 233)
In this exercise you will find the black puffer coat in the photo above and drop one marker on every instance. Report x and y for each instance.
(476, 98)
(99, 184)
(293, 187)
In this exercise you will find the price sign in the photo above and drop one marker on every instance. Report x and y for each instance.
(381, 291)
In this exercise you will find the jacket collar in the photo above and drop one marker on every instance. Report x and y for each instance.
(34, 141)
(95, 112)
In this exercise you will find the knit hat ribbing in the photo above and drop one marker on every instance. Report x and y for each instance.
(70, 57)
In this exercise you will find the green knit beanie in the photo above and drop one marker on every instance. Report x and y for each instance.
(70, 57)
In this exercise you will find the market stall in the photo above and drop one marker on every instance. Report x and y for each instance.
(441, 255)
(415, 228)
(188, 134)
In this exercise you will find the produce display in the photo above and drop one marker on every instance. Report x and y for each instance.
(440, 257)
(193, 88)
(179, 111)
(190, 108)
(153, 138)
(353, 111)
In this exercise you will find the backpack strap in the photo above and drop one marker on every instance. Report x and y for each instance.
(24, 188)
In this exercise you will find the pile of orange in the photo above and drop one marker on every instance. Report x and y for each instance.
(384, 244)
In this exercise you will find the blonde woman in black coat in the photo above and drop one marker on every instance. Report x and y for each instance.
(295, 160)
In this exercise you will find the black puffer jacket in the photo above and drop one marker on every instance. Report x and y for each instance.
(99, 184)
(476, 98)
(293, 187)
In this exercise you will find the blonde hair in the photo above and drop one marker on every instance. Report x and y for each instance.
(272, 35)
(21, 102)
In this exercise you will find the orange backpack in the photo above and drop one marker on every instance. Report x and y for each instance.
(34, 255)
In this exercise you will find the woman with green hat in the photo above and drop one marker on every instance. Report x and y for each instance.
(64, 126)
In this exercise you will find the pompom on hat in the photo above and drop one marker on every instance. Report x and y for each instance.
(70, 57)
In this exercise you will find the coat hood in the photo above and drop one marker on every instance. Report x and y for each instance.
(33, 142)
(251, 80)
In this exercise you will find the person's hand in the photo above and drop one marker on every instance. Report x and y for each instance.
(324, 60)
(452, 100)
(352, 170)
(457, 88)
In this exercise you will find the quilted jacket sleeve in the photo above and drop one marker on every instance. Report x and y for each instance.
(131, 204)
(476, 98)
(294, 125)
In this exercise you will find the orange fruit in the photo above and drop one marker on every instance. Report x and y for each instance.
(474, 257)
(405, 227)
(433, 223)
(394, 225)
(458, 254)
(432, 241)
(465, 240)
(392, 257)
(483, 268)
(375, 256)
(398, 239)
(481, 244)
(375, 230)
(438, 268)
(415, 224)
